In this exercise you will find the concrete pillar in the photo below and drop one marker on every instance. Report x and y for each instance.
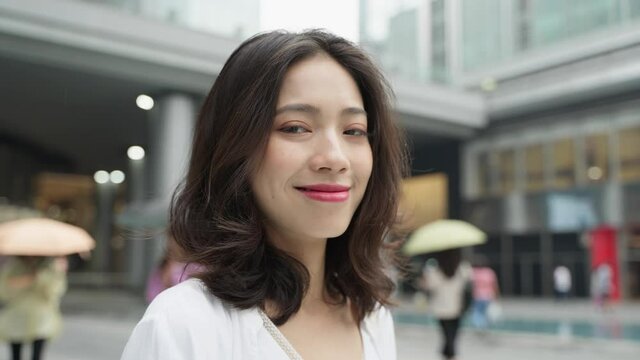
(136, 180)
(172, 120)
(614, 210)
(136, 238)
(104, 226)
(506, 264)
(613, 203)
(546, 263)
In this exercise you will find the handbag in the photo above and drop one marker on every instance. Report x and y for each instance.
(494, 312)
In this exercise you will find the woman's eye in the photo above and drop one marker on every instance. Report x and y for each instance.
(356, 132)
(294, 129)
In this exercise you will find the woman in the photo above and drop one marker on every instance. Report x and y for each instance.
(31, 287)
(485, 291)
(292, 185)
(446, 283)
(169, 272)
(602, 285)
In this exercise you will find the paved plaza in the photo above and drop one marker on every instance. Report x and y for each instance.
(98, 323)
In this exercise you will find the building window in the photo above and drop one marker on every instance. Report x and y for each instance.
(523, 24)
(506, 171)
(586, 16)
(439, 71)
(482, 33)
(597, 157)
(634, 9)
(564, 175)
(550, 21)
(484, 174)
(534, 167)
(629, 150)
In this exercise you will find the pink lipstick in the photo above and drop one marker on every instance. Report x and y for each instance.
(325, 192)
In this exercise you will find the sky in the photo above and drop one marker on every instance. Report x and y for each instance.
(337, 16)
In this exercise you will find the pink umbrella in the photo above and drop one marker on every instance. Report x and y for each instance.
(43, 237)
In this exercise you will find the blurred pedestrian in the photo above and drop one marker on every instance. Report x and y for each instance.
(169, 272)
(446, 284)
(485, 292)
(602, 285)
(562, 282)
(292, 185)
(31, 287)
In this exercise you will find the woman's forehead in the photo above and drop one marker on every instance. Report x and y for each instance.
(319, 80)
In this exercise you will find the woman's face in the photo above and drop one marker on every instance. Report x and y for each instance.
(318, 159)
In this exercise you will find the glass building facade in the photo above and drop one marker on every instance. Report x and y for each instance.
(237, 19)
(558, 156)
(467, 36)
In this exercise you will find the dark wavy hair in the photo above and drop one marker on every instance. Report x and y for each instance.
(448, 261)
(214, 217)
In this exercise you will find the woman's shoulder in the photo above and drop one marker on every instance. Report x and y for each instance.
(379, 325)
(191, 302)
(380, 316)
(192, 291)
(186, 322)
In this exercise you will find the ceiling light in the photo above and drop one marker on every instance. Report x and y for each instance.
(594, 173)
(144, 102)
(101, 177)
(488, 84)
(116, 176)
(135, 152)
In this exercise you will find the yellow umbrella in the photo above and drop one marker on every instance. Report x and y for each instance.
(443, 235)
(43, 237)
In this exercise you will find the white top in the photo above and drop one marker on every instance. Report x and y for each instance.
(446, 293)
(562, 279)
(186, 322)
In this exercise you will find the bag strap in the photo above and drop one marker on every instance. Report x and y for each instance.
(282, 341)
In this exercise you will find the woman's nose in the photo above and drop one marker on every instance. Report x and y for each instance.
(330, 154)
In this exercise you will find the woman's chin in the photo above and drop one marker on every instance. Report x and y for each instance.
(327, 232)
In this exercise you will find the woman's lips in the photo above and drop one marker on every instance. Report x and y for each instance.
(325, 192)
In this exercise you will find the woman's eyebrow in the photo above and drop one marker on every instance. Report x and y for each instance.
(307, 108)
(354, 111)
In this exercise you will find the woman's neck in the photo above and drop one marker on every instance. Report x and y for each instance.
(311, 253)
(314, 261)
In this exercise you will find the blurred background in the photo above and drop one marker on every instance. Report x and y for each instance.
(523, 118)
